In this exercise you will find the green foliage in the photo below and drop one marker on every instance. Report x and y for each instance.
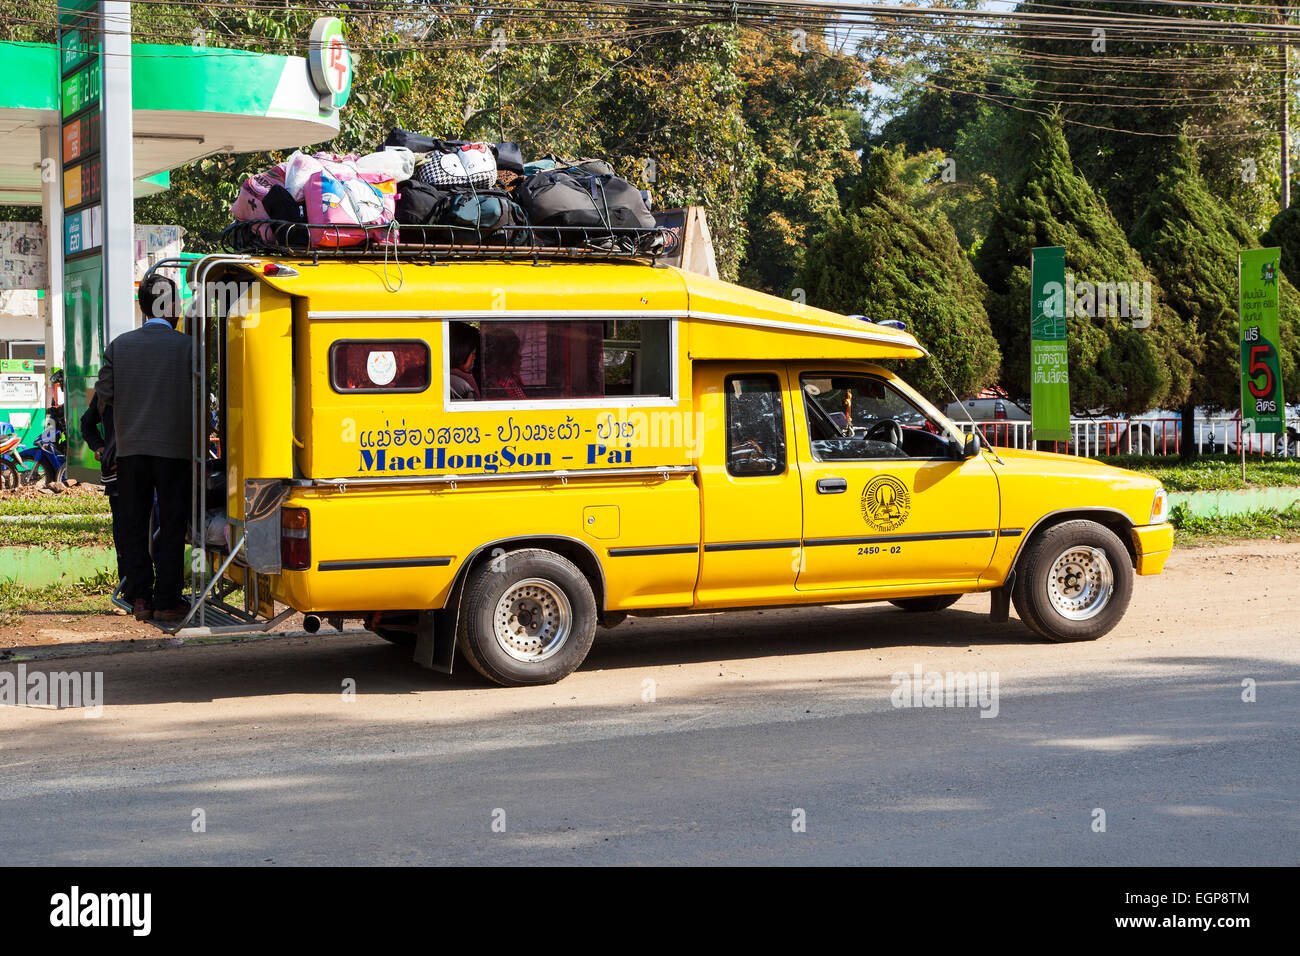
(1265, 523)
(886, 259)
(796, 106)
(72, 532)
(1122, 122)
(671, 98)
(1191, 241)
(1284, 232)
(66, 504)
(1212, 472)
(1114, 367)
(84, 596)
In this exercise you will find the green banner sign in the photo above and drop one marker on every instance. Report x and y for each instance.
(1262, 410)
(1049, 387)
(83, 315)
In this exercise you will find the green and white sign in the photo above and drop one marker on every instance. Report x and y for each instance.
(1262, 408)
(1049, 386)
(98, 228)
(330, 62)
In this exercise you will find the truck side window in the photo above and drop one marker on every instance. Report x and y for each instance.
(534, 361)
(860, 417)
(755, 426)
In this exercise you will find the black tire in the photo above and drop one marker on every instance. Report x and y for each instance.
(9, 477)
(925, 605)
(1080, 586)
(551, 618)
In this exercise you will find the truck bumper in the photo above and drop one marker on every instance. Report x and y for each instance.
(1152, 544)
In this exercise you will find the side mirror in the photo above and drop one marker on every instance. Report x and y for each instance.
(972, 446)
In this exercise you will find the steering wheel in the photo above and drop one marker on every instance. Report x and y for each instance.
(751, 458)
(886, 430)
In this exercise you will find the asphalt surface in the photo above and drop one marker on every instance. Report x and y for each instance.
(698, 740)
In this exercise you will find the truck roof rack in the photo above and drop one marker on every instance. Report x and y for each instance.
(330, 241)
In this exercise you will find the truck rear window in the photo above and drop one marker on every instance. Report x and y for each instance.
(379, 365)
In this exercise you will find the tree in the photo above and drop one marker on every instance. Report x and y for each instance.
(1284, 232)
(663, 106)
(1126, 102)
(1117, 363)
(1191, 239)
(796, 104)
(886, 259)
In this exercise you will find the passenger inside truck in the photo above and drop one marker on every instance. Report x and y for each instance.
(558, 359)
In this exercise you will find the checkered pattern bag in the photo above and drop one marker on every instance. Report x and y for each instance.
(470, 165)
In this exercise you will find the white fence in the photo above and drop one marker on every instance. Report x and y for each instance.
(1149, 436)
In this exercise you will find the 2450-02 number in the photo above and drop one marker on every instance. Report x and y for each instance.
(880, 549)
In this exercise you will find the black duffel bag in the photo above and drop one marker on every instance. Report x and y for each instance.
(488, 212)
(571, 197)
(419, 204)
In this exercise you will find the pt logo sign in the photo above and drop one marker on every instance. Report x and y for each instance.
(885, 503)
(330, 62)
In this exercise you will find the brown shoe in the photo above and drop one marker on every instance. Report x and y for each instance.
(142, 609)
(170, 615)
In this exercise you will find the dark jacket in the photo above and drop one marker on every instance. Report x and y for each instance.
(93, 421)
(146, 378)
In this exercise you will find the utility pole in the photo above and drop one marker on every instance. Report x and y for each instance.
(1284, 120)
(1284, 128)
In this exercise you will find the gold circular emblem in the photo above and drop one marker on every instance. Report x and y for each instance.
(885, 503)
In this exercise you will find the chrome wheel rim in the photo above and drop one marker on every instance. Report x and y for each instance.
(532, 620)
(1080, 583)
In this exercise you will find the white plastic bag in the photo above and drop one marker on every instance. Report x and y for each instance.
(397, 162)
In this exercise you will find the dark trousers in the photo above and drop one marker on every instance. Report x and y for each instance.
(114, 510)
(139, 479)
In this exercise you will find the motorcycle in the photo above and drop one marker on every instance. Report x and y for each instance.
(46, 460)
(10, 446)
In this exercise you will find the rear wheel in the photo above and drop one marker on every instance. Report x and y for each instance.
(1074, 582)
(9, 478)
(528, 617)
(920, 605)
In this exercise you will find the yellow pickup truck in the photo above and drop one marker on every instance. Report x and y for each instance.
(495, 456)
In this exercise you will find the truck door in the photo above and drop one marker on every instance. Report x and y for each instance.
(885, 503)
(749, 482)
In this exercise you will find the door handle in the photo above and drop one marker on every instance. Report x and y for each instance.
(832, 486)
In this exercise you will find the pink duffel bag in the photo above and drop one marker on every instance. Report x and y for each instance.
(358, 206)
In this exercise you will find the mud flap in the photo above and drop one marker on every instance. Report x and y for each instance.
(435, 640)
(1000, 607)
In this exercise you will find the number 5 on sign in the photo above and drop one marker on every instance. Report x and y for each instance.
(1261, 378)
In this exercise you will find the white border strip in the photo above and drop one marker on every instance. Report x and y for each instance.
(864, 335)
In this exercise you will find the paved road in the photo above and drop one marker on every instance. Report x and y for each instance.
(755, 716)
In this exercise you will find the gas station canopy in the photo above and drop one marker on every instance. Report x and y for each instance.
(187, 103)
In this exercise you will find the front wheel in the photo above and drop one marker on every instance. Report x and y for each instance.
(1074, 582)
(922, 605)
(528, 617)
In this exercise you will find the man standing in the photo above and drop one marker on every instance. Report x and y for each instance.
(97, 432)
(146, 378)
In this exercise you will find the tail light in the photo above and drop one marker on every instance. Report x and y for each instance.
(999, 410)
(295, 539)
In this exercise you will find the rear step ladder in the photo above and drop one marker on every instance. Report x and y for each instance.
(214, 615)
